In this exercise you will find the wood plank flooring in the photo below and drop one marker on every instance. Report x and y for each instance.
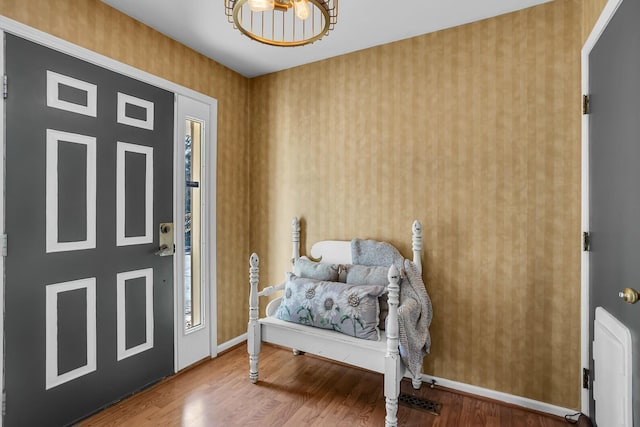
(296, 391)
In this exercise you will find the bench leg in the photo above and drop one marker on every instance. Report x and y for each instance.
(253, 368)
(392, 377)
(391, 419)
(253, 348)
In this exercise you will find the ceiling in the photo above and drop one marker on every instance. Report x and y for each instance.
(202, 25)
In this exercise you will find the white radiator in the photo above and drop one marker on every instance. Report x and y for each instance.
(612, 383)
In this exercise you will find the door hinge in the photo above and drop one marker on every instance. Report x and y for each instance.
(586, 99)
(3, 244)
(585, 378)
(5, 87)
(586, 241)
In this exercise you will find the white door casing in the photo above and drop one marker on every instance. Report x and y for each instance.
(606, 15)
(2, 224)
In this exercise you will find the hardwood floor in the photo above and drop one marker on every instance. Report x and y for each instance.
(296, 391)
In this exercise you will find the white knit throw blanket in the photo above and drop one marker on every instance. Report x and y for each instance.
(414, 318)
(414, 312)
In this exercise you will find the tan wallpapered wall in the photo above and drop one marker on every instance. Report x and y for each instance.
(96, 26)
(591, 10)
(473, 130)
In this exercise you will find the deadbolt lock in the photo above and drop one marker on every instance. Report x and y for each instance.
(165, 240)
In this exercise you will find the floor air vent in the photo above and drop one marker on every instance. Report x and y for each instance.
(417, 403)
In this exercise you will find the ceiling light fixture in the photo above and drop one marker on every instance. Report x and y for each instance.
(283, 22)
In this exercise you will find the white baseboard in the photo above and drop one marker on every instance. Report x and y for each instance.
(235, 341)
(500, 396)
(466, 388)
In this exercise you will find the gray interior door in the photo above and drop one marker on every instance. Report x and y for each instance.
(89, 178)
(614, 199)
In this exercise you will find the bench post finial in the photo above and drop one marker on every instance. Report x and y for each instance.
(417, 244)
(253, 329)
(295, 239)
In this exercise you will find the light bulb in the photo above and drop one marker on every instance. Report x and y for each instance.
(301, 7)
(260, 5)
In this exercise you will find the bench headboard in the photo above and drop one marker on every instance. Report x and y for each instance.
(339, 251)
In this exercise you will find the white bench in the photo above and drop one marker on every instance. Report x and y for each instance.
(379, 356)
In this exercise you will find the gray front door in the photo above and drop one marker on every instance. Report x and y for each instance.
(614, 199)
(89, 178)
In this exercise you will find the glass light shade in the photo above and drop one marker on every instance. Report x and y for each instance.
(301, 9)
(261, 5)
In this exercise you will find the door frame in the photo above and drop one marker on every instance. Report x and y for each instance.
(31, 34)
(603, 20)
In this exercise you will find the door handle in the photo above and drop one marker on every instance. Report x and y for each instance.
(629, 295)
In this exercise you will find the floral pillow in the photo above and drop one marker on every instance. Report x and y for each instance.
(352, 310)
